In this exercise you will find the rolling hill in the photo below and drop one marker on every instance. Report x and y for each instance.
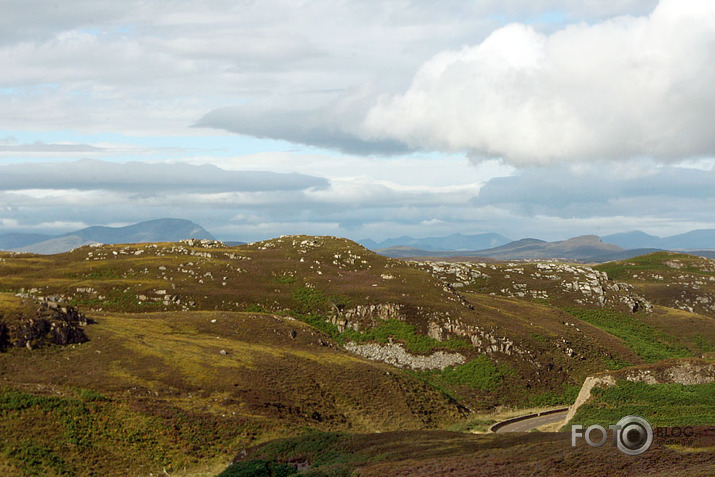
(200, 350)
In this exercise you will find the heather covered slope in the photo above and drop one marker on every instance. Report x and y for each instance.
(178, 390)
(348, 292)
(422, 453)
(675, 280)
(543, 334)
(658, 329)
(203, 349)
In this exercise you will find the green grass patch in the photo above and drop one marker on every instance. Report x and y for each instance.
(285, 279)
(313, 301)
(321, 324)
(660, 404)
(480, 373)
(36, 460)
(613, 363)
(567, 395)
(650, 344)
(310, 300)
(705, 345)
(90, 395)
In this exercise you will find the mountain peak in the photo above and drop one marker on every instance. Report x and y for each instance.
(584, 239)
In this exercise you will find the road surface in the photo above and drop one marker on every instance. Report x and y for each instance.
(533, 422)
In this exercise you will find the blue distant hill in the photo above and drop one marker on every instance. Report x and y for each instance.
(450, 243)
(695, 240)
(159, 230)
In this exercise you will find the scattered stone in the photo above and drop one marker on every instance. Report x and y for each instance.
(396, 355)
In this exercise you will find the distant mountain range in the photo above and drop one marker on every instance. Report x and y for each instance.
(454, 242)
(584, 248)
(488, 245)
(694, 240)
(160, 230)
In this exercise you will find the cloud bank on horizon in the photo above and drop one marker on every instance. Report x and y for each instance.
(543, 118)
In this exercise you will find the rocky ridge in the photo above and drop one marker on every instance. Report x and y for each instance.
(546, 281)
(685, 283)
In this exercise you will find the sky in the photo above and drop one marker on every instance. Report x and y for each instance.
(362, 119)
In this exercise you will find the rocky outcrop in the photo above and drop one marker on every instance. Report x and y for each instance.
(203, 243)
(686, 372)
(363, 316)
(396, 355)
(575, 284)
(48, 323)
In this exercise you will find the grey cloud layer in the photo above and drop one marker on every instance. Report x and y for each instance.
(320, 127)
(146, 178)
(553, 203)
(45, 148)
(604, 190)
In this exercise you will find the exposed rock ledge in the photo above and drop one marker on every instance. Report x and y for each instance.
(32, 326)
(396, 355)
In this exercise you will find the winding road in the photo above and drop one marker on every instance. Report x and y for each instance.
(529, 423)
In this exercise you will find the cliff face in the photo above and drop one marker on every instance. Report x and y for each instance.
(33, 324)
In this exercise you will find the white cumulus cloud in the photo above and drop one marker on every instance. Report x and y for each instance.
(622, 88)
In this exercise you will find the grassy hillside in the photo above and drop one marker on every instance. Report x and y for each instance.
(669, 279)
(654, 338)
(660, 404)
(177, 389)
(674, 280)
(459, 454)
(200, 349)
(675, 392)
(606, 297)
(352, 294)
(345, 291)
